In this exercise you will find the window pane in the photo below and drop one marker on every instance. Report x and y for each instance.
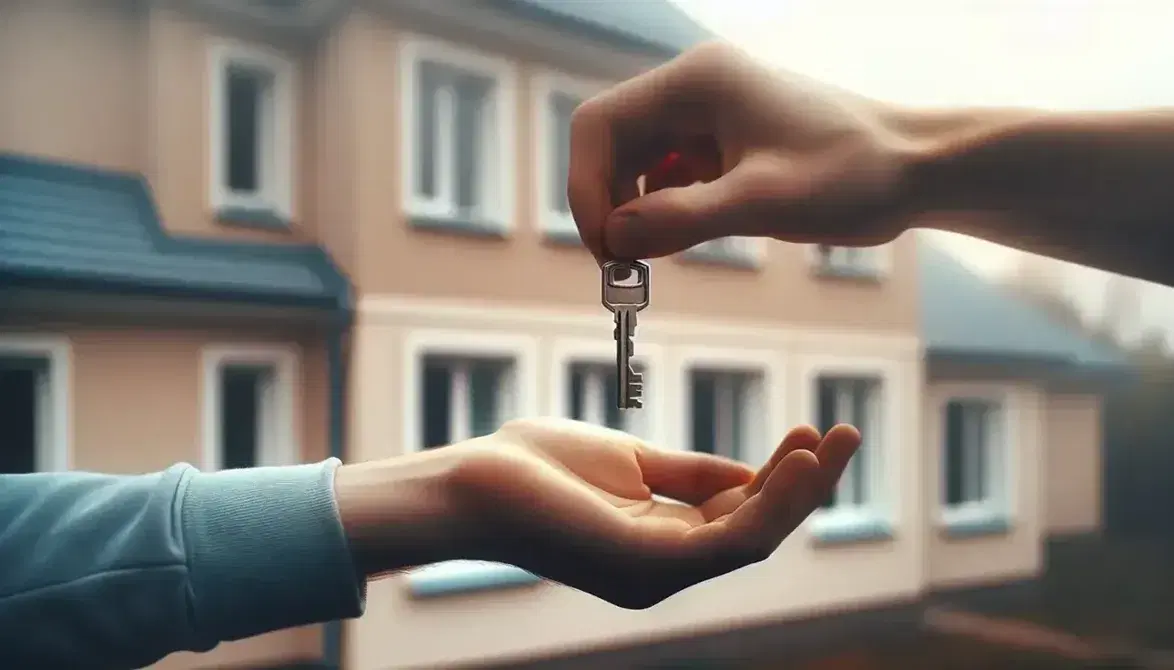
(826, 417)
(981, 448)
(18, 417)
(240, 438)
(471, 102)
(243, 111)
(436, 395)
(860, 390)
(702, 410)
(611, 398)
(561, 108)
(577, 393)
(955, 452)
(430, 80)
(485, 386)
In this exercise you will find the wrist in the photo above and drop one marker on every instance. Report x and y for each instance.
(399, 513)
(952, 159)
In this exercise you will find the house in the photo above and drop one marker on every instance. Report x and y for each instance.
(267, 232)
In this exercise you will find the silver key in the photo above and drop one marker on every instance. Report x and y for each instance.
(626, 292)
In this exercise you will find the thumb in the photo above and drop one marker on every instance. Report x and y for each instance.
(674, 219)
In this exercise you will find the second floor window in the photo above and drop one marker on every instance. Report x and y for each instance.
(852, 261)
(251, 133)
(852, 401)
(457, 125)
(719, 411)
(462, 398)
(554, 157)
(735, 250)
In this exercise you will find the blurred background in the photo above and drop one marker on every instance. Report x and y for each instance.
(239, 233)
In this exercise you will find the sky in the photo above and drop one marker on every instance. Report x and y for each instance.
(1056, 54)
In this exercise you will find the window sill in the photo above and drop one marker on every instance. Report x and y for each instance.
(976, 527)
(719, 258)
(456, 577)
(863, 275)
(469, 227)
(833, 530)
(252, 217)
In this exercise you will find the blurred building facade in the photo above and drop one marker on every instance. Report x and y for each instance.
(248, 233)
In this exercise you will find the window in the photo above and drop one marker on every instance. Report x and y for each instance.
(739, 251)
(556, 98)
(972, 459)
(721, 412)
(463, 398)
(251, 132)
(34, 375)
(850, 261)
(249, 413)
(585, 388)
(458, 136)
(459, 385)
(593, 396)
(853, 401)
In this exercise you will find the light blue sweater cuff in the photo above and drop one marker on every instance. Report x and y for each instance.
(266, 550)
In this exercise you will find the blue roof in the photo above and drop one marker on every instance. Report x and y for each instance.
(658, 25)
(966, 316)
(80, 227)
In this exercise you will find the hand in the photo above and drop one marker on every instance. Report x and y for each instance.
(761, 153)
(574, 503)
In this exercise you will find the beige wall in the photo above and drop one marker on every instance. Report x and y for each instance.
(1072, 461)
(801, 578)
(136, 401)
(131, 93)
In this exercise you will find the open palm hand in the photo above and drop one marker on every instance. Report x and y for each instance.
(602, 511)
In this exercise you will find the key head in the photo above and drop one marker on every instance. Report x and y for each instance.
(625, 285)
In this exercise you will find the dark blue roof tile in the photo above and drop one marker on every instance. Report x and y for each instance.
(965, 315)
(80, 225)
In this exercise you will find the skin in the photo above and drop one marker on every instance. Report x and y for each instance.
(768, 153)
(574, 502)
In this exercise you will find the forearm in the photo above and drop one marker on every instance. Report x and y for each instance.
(101, 571)
(1093, 188)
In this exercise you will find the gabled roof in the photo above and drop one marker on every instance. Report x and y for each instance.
(656, 24)
(79, 227)
(965, 316)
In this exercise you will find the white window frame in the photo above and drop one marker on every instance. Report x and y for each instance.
(521, 388)
(276, 164)
(645, 423)
(499, 175)
(54, 396)
(764, 417)
(750, 250)
(546, 84)
(1000, 473)
(884, 462)
(875, 262)
(279, 443)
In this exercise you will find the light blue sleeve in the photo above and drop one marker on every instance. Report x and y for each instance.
(104, 571)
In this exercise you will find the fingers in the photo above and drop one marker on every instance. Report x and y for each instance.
(801, 437)
(837, 448)
(688, 476)
(675, 219)
(674, 99)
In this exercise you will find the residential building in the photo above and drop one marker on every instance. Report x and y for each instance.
(244, 233)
